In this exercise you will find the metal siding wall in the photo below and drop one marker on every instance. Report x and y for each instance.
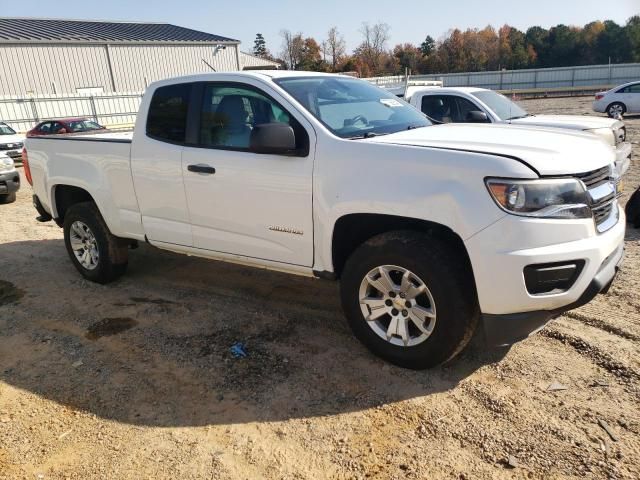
(35, 68)
(132, 64)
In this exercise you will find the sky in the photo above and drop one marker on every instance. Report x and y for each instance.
(410, 20)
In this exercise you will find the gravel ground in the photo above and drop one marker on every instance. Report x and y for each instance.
(136, 380)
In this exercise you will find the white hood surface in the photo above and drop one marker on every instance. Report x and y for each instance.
(549, 151)
(17, 138)
(575, 122)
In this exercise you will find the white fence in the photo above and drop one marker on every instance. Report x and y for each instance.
(109, 109)
(541, 78)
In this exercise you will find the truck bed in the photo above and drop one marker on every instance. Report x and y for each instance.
(96, 162)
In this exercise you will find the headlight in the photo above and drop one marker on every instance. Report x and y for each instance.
(6, 164)
(605, 134)
(544, 198)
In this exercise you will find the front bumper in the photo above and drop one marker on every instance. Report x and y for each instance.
(509, 310)
(507, 329)
(9, 182)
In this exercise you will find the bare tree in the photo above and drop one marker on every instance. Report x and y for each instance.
(292, 49)
(335, 47)
(374, 44)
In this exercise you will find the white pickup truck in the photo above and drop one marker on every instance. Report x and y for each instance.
(429, 229)
(480, 105)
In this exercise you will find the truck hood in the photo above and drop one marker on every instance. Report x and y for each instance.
(549, 151)
(4, 139)
(575, 122)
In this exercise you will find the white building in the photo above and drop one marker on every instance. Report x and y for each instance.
(49, 56)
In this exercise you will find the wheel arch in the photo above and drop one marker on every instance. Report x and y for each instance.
(64, 196)
(352, 230)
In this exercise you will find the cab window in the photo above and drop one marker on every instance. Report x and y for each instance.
(230, 112)
(167, 117)
(441, 108)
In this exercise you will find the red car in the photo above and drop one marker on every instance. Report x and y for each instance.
(67, 125)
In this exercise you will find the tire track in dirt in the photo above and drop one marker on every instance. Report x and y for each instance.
(602, 325)
(597, 355)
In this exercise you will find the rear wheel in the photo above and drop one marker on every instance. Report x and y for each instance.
(410, 299)
(97, 254)
(616, 110)
(9, 198)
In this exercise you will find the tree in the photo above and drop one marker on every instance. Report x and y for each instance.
(407, 56)
(310, 58)
(538, 39)
(260, 46)
(335, 47)
(428, 46)
(372, 50)
(292, 49)
(632, 30)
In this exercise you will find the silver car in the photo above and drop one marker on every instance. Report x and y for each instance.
(619, 100)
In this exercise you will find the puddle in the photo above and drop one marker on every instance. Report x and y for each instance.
(9, 293)
(157, 301)
(109, 326)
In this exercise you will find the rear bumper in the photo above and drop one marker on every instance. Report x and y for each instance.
(506, 329)
(9, 182)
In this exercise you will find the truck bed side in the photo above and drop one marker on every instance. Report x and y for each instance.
(99, 164)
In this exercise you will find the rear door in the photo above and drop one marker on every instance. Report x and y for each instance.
(244, 203)
(156, 164)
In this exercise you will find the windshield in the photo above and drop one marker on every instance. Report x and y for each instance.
(501, 105)
(6, 129)
(83, 126)
(352, 108)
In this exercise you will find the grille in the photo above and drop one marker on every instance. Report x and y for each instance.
(10, 146)
(603, 207)
(595, 178)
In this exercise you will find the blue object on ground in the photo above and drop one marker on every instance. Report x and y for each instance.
(238, 350)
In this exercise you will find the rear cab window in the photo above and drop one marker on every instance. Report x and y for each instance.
(167, 117)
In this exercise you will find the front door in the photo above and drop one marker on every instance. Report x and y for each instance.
(243, 203)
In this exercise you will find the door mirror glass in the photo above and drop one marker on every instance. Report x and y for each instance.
(476, 116)
(273, 138)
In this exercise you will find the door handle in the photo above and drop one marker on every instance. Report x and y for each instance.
(201, 169)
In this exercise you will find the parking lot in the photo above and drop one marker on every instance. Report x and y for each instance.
(136, 379)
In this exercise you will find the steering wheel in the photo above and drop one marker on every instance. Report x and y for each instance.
(358, 118)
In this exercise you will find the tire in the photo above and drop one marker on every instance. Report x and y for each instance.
(112, 252)
(615, 108)
(450, 295)
(9, 198)
(632, 209)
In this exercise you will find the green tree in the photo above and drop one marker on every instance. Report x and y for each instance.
(632, 30)
(428, 46)
(260, 46)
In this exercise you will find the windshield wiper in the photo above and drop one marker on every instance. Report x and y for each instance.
(413, 127)
(366, 135)
(520, 116)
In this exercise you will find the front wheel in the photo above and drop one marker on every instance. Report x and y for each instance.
(97, 254)
(616, 110)
(410, 299)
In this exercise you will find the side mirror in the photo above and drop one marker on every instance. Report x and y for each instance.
(273, 138)
(476, 116)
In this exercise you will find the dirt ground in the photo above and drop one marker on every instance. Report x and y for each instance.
(136, 379)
